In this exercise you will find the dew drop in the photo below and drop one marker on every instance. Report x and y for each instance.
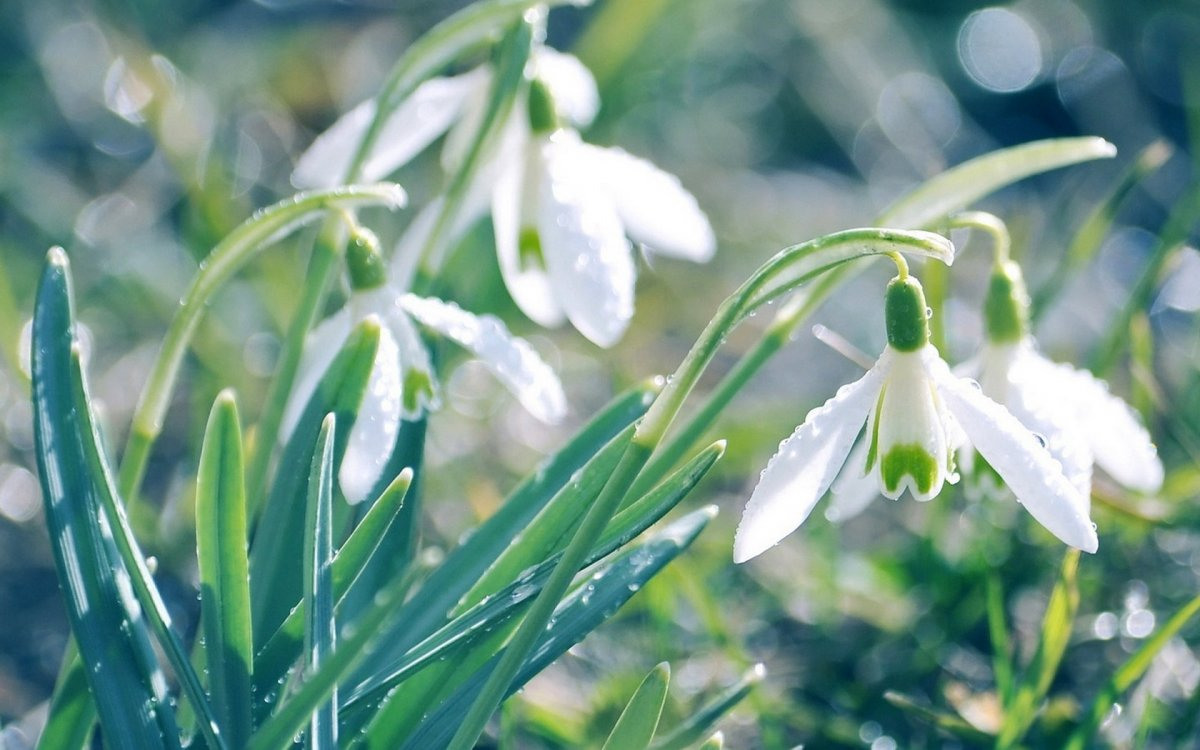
(929, 312)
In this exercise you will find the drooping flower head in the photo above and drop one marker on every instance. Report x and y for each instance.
(915, 414)
(1074, 412)
(402, 384)
(562, 210)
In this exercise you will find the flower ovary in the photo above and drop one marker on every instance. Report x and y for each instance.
(905, 315)
(1006, 307)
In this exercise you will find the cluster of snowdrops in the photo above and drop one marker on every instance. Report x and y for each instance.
(566, 218)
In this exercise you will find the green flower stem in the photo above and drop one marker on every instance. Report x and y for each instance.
(512, 57)
(781, 274)
(990, 224)
(327, 250)
(229, 256)
(436, 49)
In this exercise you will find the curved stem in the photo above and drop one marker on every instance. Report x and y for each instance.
(989, 224)
(223, 262)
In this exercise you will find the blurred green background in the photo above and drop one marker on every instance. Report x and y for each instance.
(136, 133)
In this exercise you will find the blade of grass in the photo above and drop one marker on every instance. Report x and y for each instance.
(636, 726)
(221, 545)
(949, 723)
(585, 608)
(72, 711)
(118, 663)
(407, 705)
(695, 727)
(284, 647)
(1091, 233)
(1052, 644)
(1001, 643)
(1129, 672)
(430, 606)
(319, 631)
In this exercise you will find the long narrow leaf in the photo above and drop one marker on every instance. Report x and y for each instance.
(284, 647)
(221, 546)
(114, 645)
(1130, 672)
(961, 186)
(576, 615)
(501, 606)
(274, 576)
(701, 721)
(319, 631)
(430, 606)
(72, 711)
(636, 726)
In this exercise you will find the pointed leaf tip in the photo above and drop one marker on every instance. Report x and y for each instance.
(56, 256)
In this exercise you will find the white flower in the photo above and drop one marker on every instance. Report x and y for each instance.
(401, 383)
(1074, 412)
(561, 208)
(916, 412)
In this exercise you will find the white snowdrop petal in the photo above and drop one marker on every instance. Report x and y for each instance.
(530, 286)
(913, 448)
(322, 346)
(1047, 412)
(512, 360)
(571, 84)
(416, 370)
(1119, 442)
(588, 259)
(325, 162)
(419, 120)
(371, 439)
(1035, 478)
(854, 488)
(654, 207)
(804, 466)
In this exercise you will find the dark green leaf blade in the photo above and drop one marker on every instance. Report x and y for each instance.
(119, 664)
(319, 631)
(580, 612)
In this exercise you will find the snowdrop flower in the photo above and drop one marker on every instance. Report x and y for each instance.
(561, 208)
(401, 384)
(1081, 422)
(916, 412)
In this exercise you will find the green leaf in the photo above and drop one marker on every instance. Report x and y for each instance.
(961, 186)
(225, 260)
(1096, 226)
(1001, 643)
(1129, 672)
(503, 604)
(1052, 644)
(636, 726)
(693, 729)
(119, 664)
(275, 579)
(430, 606)
(72, 711)
(948, 723)
(320, 631)
(224, 570)
(359, 643)
(283, 648)
(585, 608)
(550, 530)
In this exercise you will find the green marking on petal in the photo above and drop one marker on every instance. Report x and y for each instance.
(873, 451)
(417, 383)
(909, 460)
(543, 116)
(529, 250)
